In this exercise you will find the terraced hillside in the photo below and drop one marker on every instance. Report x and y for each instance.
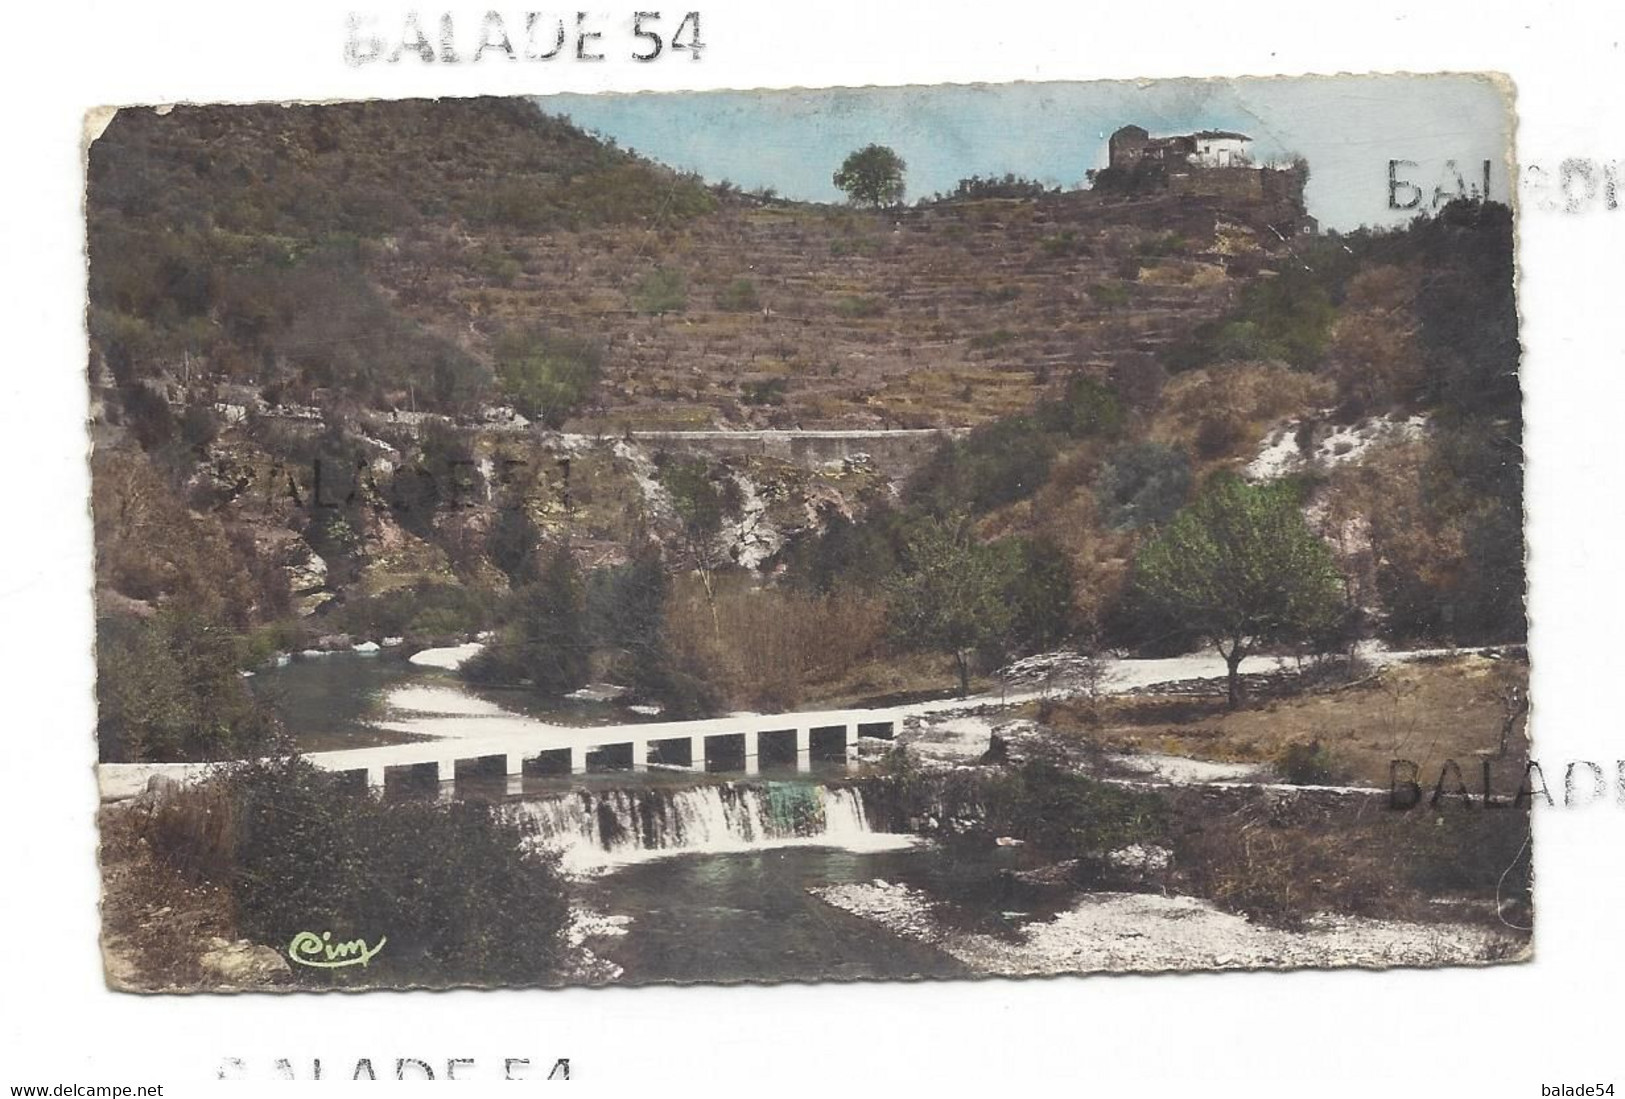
(382, 252)
(792, 315)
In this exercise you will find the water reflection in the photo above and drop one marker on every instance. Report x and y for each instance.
(356, 700)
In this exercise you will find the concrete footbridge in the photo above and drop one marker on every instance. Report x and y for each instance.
(743, 744)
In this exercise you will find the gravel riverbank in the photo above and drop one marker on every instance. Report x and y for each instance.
(1147, 932)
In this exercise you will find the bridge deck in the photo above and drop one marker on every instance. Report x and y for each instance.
(712, 743)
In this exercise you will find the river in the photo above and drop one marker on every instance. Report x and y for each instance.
(703, 879)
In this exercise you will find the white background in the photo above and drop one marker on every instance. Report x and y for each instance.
(1500, 1031)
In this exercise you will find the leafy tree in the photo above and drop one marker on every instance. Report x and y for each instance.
(546, 642)
(950, 595)
(1037, 588)
(1468, 313)
(547, 377)
(511, 543)
(703, 499)
(1146, 177)
(872, 176)
(842, 553)
(1240, 567)
(626, 612)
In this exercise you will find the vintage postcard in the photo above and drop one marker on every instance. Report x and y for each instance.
(924, 532)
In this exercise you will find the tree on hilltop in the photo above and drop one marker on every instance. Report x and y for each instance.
(872, 176)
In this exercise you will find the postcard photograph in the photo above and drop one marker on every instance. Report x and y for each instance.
(848, 534)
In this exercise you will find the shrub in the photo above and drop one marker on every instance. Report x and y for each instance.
(500, 268)
(839, 553)
(1287, 317)
(147, 415)
(1038, 591)
(1064, 243)
(1161, 244)
(660, 291)
(739, 296)
(1109, 294)
(859, 308)
(1008, 186)
(1308, 764)
(1143, 484)
(547, 376)
(764, 391)
(1085, 409)
(459, 890)
(167, 689)
(766, 648)
(702, 496)
(996, 464)
(423, 610)
(1069, 815)
(511, 543)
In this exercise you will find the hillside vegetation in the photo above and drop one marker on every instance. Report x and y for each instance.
(318, 334)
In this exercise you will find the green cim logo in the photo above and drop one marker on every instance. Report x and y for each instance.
(321, 952)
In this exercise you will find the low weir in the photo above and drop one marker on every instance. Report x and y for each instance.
(593, 829)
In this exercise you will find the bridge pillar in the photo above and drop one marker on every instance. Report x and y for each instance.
(513, 763)
(804, 748)
(515, 785)
(850, 729)
(640, 755)
(375, 778)
(578, 761)
(753, 752)
(696, 754)
(445, 770)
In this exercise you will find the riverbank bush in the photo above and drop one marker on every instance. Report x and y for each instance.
(456, 889)
(1063, 813)
(424, 610)
(1070, 815)
(167, 689)
(1282, 861)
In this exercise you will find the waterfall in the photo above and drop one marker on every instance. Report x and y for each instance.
(595, 829)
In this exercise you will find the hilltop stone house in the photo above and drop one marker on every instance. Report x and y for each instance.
(1211, 163)
(1132, 145)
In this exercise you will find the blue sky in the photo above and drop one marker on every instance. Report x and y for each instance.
(1347, 127)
